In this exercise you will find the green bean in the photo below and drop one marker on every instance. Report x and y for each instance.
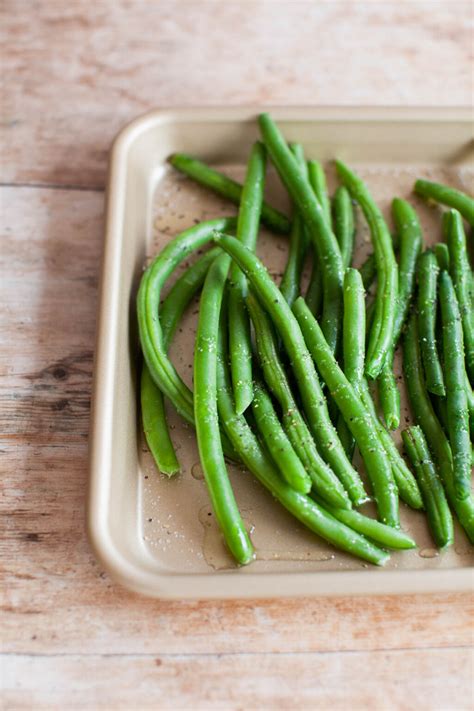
(461, 275)
(441, 252)
(207, 418)
(290, 282)
(240, 347)
(378, 532)
(307, 511)
(381, 332)
(354, 355)
(317, 180)
(155, 425)
(408, 228)
(434, 498)
(357, 419)
(345, 436)
(344, 226)
(323, 239)
(447, 196)
(226, 187)
(324, 480)
(313, 399)
(353, 340)
(427, 272)
(277, 442)
(456, 398)
(148, 308)
(425, 417)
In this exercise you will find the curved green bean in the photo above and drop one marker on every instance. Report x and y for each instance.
(148, 309)
(456, 398)
(357, 419)
(425, 417)
(434, 498)
(463, 281)
(207, 417)
(277, 442)
(290, 282)
(226, 187)
(311, 394)
(324, 480)
(307, 511)
(381, 332)
(447, 196)
(378, 532)
(427, 273)
(323, 239)
(240, 347)
(408, 230)
(344, 226)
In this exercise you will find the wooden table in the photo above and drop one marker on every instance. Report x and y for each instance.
(75, 72)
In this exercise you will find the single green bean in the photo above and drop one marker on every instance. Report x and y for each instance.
(345, 436)
(354, 355)
(312, 396)
(381, 332)
(447, 196)
(461, 275)
(323, 239)
(427, 273)
(307, 511)
(277, 442)
(441, 252)
(207, 418)
(456, 398)
(324, 480)
(344, 226)
(434, 498)
(155, 424)
(314, 293)
(378, 532)
(226, 187)
(357, 419)
(317, 180)
(410, 241)
(240, 347)
(425, 417)
(290, 282)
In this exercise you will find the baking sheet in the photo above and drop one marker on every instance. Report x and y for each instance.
(164, 530)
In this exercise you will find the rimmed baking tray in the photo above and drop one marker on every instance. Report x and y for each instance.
(158, 536)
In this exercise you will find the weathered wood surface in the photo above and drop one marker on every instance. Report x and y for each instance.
(75, 72)
(70, 637)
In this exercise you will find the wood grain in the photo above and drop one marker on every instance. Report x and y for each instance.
(360, 681)
(77, 72)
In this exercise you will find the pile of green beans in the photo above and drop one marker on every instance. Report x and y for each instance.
(273, 370)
